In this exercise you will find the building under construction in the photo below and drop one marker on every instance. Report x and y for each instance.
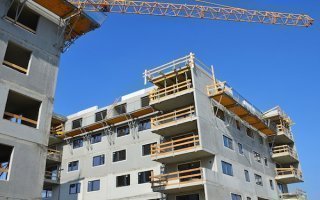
(188, 137)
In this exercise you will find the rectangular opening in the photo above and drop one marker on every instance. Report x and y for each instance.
(96, 138)
(98, 160)
(17, 58)
(101, 115)
(74, 188)
(5, 158)
(77, 143)
(123, 130)
(219, 113)
(145, 101)
(258, 179)
(119, 155)
(190, 174)
(146, 149)
(94, 185)
(73, 166)
(25, 18)
(120, 109)
(22, 109)
(188, 197)
(123, 180)
(227, 168)
(144, 125)
(144, 177)
(76, 123)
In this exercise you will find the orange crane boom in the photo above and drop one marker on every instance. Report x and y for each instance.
(193, 11)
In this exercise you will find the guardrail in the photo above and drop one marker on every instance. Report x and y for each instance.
(289, 171)
(284, 149)
(174, 146)
(157, 94)
(173, 117)
(282, 129)
(52, 176)
(57, 130)
(177, 178)
(54, 154)
(19, 118)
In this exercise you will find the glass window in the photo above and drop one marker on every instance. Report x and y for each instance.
(73, 166)
(119, 155)
(144, 177)
(76, 123)
(123, 130)
(219, 113)
(146, 149)
(77, 143)
(257, 156)
(93, 185)
(246, 175)
(227, 168)
(145, 101)
(258, 179)
(96, 138)
(265, 161)
(121, 109)
(144, 125)
(260, 139)
(46, 193)
(101, 115)
(74, 188)
(271, 185)
(240, 148)
(98, 160)
(238, 125)
(227, 142)
(123, 180)
(235, 197)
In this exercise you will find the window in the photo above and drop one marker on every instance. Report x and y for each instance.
(248, 198)
(77, 143)
(74, 188)
(21, 109)
(144, 177)
(246, 175)
(119, 155)
(227, 168)
(188, 197)
(76, 123)
(123, 130)
(257, 156)
(93, 185)
(250, 133)
(46, 193)
(281, 188)
(145, 101)
(240, 148)
(227, 142)
(238, 125)
(27, 19)
(96, 138)
(144, 125)
(17, 58)
(219, 113)
(120, 109)
(260, 139)
(271, 184)
(98, 160)
(101, 115)
(258, 179)
(265, 161)
(123, 180)
(235, 197)
(146, 149)
(5, 161)
(73, 166)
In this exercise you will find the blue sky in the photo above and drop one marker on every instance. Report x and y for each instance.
(269, 65)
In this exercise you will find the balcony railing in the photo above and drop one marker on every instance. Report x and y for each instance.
(175, 146)
(158, 94)
(284, 149)
(52, 176)
(57, 130)
(54, 154)
(178, 178)
(282, 129)
(289, 172)
(298, 195)
(173, 117)
(19, 119)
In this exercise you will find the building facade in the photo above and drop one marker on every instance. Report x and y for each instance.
(188, 137)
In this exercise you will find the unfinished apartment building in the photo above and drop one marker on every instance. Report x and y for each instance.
(32, 34)
(188, 137)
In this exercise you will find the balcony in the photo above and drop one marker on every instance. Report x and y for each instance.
(298, 195)
(53, 156)
(284, 154)
(168, 124)
(234, 102)
(57, 130)
(288, 175)
(180, 181)
(178, 150)
(164, 98)
(284, 135)
(51, 177)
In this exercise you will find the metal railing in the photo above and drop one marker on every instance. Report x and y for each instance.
(157, 94)
(173, 117)
(174, 146)
(177, 178)
(284, 149)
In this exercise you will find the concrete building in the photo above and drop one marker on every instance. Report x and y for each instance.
(188, 137)
(32, 35)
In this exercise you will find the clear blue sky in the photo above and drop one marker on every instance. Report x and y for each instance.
(269, 65)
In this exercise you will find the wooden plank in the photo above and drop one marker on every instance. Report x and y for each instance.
(21, 117)
(14, 66)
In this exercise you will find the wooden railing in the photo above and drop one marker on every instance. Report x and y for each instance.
(173, 117)
(170, 90)
(216, 88)
(58, 130)
(282, 129)
(289, 171)
(17, 118)
(52, 176)
(284, 149)
(54, 154)
(14, 66)
(174, 146)
(177, 178)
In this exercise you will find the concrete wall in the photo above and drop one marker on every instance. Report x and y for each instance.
(28, 160)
